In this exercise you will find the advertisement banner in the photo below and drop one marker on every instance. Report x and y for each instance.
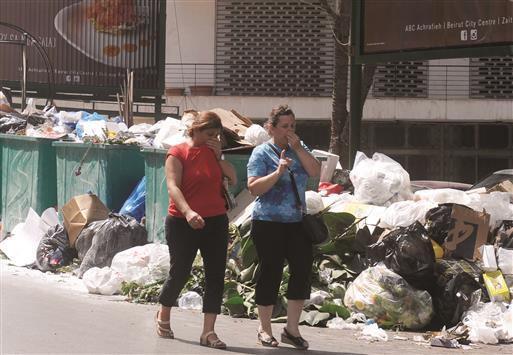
(90, 43)
(402, 25)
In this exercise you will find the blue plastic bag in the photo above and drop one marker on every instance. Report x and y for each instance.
(88, 118)
(135, 204)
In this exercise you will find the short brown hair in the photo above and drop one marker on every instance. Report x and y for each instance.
(205, 120)
(276, 113)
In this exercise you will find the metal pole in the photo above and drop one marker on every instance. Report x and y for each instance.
(355, 79)
(24, 73)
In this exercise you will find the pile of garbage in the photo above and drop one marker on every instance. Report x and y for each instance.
(429, 259)
(82, 126)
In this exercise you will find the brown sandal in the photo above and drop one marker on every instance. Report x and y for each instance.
(216, 344)
(163, 328)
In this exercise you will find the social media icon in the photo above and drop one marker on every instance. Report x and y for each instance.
(473, 34)
(68, 78)
(463, 35)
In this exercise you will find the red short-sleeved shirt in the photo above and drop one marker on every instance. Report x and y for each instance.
(201, 180)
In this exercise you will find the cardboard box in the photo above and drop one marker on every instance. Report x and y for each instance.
(468, 233)
(79, 212)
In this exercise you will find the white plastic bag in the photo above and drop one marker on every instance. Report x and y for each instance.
(142, 264)
(104, 281)
(314, 202)
(380, 180)
(496, 204)
(372, 332)
(405, 213)
(443, 196)
(172, 132)
(190, 300)
(505, 257)
(256, 134)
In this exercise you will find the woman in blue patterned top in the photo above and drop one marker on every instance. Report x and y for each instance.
(276, 223)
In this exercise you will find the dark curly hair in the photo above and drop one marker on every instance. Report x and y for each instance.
(276, 113)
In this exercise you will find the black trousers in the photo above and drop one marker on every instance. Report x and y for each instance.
(276, 242)
(183, 243)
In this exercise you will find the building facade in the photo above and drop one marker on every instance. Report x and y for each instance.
(441, 119)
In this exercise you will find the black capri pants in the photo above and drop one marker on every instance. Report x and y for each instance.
(276, 242)
(183, 243)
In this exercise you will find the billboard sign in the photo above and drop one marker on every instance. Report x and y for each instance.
(392, 26)
(90, 43)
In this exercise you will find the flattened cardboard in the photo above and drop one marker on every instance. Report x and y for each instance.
(80, 211)
(469, 232)
(231, 121)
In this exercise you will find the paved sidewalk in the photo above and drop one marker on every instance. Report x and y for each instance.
(43, 313)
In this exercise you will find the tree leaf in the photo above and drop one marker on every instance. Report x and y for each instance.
(335, 309)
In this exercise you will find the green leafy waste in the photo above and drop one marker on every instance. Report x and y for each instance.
(331, 272)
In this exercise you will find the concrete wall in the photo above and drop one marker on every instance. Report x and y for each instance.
(190, 33)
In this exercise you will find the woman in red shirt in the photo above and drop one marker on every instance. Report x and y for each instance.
(196, 220)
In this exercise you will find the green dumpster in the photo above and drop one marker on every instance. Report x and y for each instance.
(28, 177)
(110, 171)
(157, 199)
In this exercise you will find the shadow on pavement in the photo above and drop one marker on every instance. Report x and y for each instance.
(280, 350)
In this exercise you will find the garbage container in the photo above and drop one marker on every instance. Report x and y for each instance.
(240, 163)
(157, 199)
(28, 177)
(110, 171)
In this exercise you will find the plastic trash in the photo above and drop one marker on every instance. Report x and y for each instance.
(104, 281)
(317, 297)
(490, 323)
(54, 250)
(372, 332)
(504, 235)
(91, 125)
(314, 202)
(488, 260)
(386, 297)
(380, 180)
(405, 213)
(505, 257)
(171, 132)
(455, 284)
(190, 300)
(439, 222)
(409, 253)
(443, 196)
(143, 264)
(256, 135)
(115, 234)
(135, 204)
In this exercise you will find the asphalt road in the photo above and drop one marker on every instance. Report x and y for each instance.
(38, 316)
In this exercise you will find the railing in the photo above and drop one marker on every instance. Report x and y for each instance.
(402, 80)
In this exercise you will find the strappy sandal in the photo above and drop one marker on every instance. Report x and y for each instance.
(267, 340)
(297, 342)
(216, 344)
(163, 328)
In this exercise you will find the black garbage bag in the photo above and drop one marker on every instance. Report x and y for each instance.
(85, 238)
(439, 222)
(54, 250)
(408, 252)
(110, 236)
(456, 280)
